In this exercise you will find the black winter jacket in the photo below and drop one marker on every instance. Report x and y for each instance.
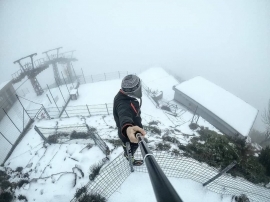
(125, 111)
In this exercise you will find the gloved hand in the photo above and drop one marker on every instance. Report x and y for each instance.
(131, 132)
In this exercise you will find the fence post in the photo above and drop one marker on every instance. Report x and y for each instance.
(49, 98)
(65, 82)
(46, 112)
(107, 108)
(60, 90)
(41, 135)
(66, 113)
(88, 110)
(229, 167)
(83, 76)
(11, 120)
(22, 106)
(6, 138)
(52, 97)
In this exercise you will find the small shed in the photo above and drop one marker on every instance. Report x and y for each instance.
(74, 94)
(7, 97)
(225, 111)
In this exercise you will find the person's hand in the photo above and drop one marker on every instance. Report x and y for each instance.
(131, 132)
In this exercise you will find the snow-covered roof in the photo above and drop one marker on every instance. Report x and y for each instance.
(2, 85)
(156, 78)
(231, 109)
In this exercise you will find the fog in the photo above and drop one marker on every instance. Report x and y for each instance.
(227, 42)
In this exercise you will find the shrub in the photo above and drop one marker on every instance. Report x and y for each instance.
(95, 170)
(5, 184)
(19, 169)
(241, 198)
(153, 123)
(153, 129)
(163, 146)
(22, 182)
(264, 159)
(220, 150)
(80, 191)
(164, 107)
(175, 152)
(193, 126)
(170, 139)
(92, 198)
(6, 197)
(115, 142)
(22, 197)
(52, 139)
(79, 135)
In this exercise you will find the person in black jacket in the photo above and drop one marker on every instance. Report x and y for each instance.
(127, 113)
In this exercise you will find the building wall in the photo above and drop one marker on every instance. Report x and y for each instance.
(191, 105)
(7, 98)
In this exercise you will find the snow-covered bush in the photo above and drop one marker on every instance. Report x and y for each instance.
(79, 135)
(241, 198)
(22, 197)
(22, 182)
(152, 129)
(95, 170)
(80, 191)
(6, 197)
(193, 126)
(92, 198)
(52, 139)
(163, 146)
(221, 150)
(264, 159)
(19, 169)
(170, 139)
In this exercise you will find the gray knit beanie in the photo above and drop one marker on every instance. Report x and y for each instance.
(131, 85)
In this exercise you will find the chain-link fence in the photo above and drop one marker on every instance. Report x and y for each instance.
(114, 174)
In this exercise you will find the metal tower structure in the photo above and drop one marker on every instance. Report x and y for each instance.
(54, 58)
(29, 70)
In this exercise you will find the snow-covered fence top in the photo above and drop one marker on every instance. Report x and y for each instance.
(231, 109)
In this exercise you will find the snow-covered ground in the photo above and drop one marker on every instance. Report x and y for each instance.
(53, 169)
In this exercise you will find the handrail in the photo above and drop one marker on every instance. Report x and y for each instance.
(163, 189)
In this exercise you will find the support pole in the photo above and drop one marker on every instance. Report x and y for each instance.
(107, 108)
(52, 97)
(6, 138)
(65, 82)
(49, 98)
(229, 167)
(88, 110)
(22, 106)
(11, 120)
(83, 76)
(60, 92)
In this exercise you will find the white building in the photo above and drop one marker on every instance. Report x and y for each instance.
(225, 111)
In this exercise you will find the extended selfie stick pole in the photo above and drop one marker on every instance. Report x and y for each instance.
(163, 189)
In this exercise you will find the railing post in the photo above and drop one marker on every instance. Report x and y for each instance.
(52, 97)
(83, 76)
(88, 110)
(65, 82)
(107, 108)
(46, 112)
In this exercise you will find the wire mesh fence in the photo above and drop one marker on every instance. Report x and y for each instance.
(82, 134)
(114, 174)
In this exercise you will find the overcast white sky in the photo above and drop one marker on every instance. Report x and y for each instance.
(227, 42)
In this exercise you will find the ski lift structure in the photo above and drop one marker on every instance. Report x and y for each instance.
(33, 68)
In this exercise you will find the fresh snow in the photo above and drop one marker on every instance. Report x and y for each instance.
(52, 168)
(231, 109)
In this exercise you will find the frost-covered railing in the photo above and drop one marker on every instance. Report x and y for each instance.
(114, 174)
